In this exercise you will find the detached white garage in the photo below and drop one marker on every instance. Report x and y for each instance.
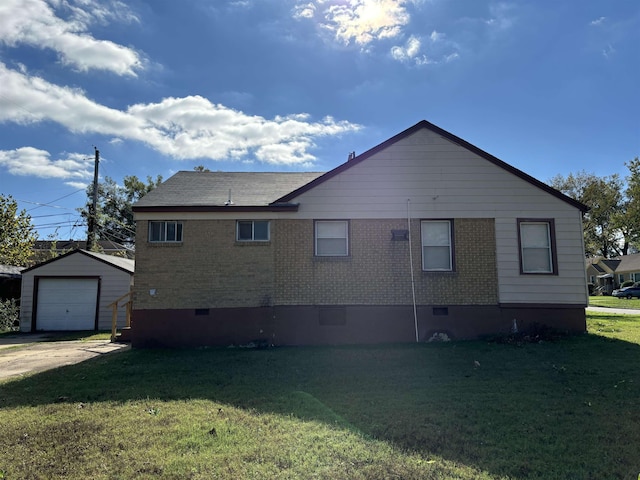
(74, 291)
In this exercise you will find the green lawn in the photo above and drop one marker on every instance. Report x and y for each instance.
(566, 409)
(614, 302)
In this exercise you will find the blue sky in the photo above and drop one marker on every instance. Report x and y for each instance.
(294, 85)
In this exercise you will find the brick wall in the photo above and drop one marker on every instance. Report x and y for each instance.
(209, 269)
(475, 280)
(377, 270)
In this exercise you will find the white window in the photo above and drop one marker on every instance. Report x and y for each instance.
(165, 231)
(537, 253)
(252, 231)
(332, 238)
(437, 247)
(635, 277)
(621, 278)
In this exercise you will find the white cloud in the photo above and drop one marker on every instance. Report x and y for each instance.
(502, 16)
(359, 21)
(435, 36)
(306, 10)
(608, 51)
(29, 99)
(30, 161)
(597, 21)
(451, 57)
(409, 51)
(440, 50)
(37, 23)
(183, 128)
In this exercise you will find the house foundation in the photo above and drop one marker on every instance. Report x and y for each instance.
(344, 324)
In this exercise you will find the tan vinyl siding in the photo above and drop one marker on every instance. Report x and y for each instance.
(567, 287)
(459, 184)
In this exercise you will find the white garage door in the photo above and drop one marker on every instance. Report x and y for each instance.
(66, 303)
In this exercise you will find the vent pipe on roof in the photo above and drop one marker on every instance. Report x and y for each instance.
(351, 156)
(229, 201)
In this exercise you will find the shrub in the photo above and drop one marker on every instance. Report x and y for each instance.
(9, 315)
(628, 283)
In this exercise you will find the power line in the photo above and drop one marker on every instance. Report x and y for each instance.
(47, 226)
(51, 215)
(48, 204)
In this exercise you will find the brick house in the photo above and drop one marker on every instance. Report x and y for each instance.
(422, 235)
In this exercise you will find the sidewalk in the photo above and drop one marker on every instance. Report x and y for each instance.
(617, 311)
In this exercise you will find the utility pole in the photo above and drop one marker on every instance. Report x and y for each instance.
(91, 230)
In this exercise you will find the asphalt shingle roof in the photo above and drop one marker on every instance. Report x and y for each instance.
(629, 263)
(612, 264)
(125, 264)
(120, 262)
(212, 188)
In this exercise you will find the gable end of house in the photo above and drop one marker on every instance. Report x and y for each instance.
(452, 138)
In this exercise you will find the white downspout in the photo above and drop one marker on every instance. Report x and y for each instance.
(413, 283)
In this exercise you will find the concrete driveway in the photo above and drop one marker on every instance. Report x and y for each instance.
(26, 354)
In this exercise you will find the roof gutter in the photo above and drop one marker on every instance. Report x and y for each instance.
(274, 207)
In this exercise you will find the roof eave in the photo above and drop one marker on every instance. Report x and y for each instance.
(273, 207)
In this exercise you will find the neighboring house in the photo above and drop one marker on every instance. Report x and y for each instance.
(44, 250)
(608, 274)
(628, 269)
(422, 236)
(74, 291)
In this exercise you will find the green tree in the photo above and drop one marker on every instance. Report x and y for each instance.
(630, 217)
(603, 234)
(17, 233)
(114, 212)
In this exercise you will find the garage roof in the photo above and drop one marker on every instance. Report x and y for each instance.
(124, 264)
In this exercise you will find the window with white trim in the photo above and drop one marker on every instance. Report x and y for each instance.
(437, 245)
(537, 246)
(635, 276)
(621, 278)
(165, 231)
(332, 238)
(252, 231)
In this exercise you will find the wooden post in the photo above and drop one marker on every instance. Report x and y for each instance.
(114, 320)
(114, 316)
